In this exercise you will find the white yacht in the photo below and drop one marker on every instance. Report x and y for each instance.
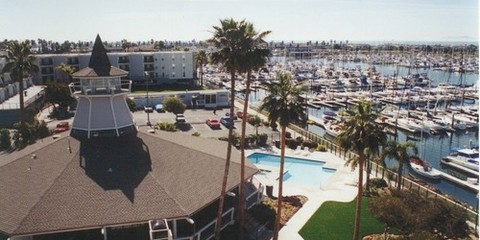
(465, 157)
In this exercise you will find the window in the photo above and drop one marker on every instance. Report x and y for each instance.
(183, 74)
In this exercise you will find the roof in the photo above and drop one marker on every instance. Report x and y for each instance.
(99, 65)
(105, 182)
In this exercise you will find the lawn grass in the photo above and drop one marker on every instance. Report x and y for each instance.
(335, 220)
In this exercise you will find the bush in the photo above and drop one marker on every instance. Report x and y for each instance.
(291, 143)
(131, 105)
(309, 144)
(166, 126)
(196, 134)
(235, 139)
(288, 135)
(174, 105)
(29, 132)
(262, 139)
(321, 148)
(378, 183)
(5, 141)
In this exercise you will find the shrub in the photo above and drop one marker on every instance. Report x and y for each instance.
(166, 126)
(131, 105)
(262, 139)
(378, 183)
(196, 134)
(309, 144)
(288, 135)
(5, 141)
(321, 148)
(29, 132)
(291, 143)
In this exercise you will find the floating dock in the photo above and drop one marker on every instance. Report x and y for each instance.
(458, 181)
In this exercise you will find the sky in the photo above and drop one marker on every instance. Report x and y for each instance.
(294, 20)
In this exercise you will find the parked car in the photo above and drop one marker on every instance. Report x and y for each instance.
(234, 115)
(148, 109)
(213, 123)
(61, 127)
(159, 108)
(226, 121)
(180, 118)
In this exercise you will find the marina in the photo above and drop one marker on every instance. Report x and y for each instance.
(436, 116)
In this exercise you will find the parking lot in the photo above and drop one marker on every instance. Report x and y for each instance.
(195, 122)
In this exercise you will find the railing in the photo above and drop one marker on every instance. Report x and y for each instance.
(208, 231)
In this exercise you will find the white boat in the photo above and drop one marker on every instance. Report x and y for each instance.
(465, 157)
(424, 168)
(332, 128)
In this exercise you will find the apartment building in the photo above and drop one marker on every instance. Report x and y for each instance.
(162, 67)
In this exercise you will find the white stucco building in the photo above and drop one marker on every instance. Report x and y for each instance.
(163, 67)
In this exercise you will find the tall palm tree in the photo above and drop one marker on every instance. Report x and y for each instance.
(360, 134)
(256, 56)
(66, 69)
(285, 105)
(201, 58)
(399, 151)
(20, 63)
(228, 39)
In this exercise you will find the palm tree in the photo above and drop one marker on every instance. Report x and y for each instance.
(66, 69)
(399, 151)
(360, 134)
(228, 39)
(20, 63)
(201, 58)
(256, 56)
(285, 105)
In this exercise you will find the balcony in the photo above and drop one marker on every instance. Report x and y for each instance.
(46, 61)
(123, 60)
(148, 59)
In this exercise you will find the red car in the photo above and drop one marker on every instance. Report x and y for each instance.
(213, 123)
(61, 127)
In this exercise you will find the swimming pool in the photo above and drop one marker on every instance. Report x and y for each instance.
(298, 171)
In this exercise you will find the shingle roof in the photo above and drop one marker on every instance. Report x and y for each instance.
(108, 182)
(99, 65)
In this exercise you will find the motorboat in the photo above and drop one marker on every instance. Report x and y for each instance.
(424, 168)
(465, 157)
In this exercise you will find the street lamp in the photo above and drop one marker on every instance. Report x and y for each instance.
(148, 104)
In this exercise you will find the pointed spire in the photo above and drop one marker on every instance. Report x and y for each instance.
(99, 60)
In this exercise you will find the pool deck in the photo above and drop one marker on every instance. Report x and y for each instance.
(340, 187)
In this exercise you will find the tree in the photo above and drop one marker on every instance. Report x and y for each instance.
(201, 58)
(58, 94)
(360, 134)
(285, 105)
(399, 151)
(66, 70)
(174, 105)
(416, 216)
(20, 63)
(227, 39)
(255, 55)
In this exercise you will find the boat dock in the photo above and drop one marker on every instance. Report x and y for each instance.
(464, 183)
(462, 168)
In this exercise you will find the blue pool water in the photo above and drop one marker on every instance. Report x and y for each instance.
(300, 172)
